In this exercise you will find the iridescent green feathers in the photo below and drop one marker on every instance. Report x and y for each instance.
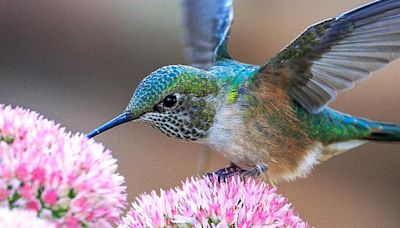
(330, 126)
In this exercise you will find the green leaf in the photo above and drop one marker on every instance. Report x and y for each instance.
(71, 193)
(8, 139)
(16, 196)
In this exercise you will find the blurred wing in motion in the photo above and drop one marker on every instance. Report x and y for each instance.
(332, 55)
(206, 27)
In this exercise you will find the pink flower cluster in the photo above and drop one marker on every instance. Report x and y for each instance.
(64, 178)
(206, 202)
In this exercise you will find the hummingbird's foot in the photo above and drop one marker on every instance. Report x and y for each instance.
(255, 171)
(227, 172)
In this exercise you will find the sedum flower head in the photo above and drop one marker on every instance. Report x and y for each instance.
(20, 218)
(65, 178)
(206, 202)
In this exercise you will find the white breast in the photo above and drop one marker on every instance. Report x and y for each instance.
(226, 134)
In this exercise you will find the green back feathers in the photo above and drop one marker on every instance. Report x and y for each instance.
(232, 75)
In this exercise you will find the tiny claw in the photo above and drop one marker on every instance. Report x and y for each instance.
(232, 170)
(224, 173)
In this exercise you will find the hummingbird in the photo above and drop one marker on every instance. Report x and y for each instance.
(271, 119)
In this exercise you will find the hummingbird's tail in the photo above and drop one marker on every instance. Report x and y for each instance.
(387, 132)
(341, 132)
(331, 126)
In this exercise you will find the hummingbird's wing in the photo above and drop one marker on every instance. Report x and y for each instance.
(206, 27)
(332, 55)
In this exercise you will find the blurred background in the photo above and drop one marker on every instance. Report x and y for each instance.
(78, 62)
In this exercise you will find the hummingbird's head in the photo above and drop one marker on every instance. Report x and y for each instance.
(177, 100)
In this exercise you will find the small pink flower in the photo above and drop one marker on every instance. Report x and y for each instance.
(21, 172)
(55, 177)
(80, 204)
(26, 191)
(230, 215)
(38, 174)
(205, 202)
(71, 222)
(32, 205)
(5, 172)
(3, 194)
(50, 197)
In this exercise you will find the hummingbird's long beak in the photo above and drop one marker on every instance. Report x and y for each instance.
(123, 118)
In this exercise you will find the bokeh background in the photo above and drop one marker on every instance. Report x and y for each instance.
(78, 62)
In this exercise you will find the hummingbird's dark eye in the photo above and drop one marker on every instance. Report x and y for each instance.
(170, 101)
